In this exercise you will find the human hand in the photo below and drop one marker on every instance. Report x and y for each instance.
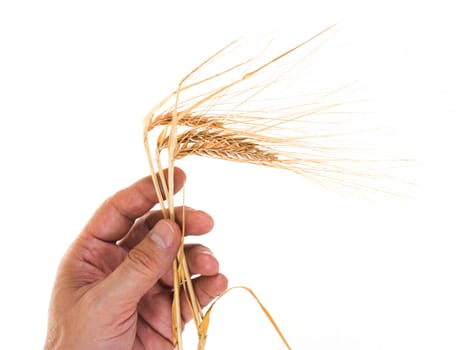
(113, 289)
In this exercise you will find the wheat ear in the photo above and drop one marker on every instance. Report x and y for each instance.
(230, 114)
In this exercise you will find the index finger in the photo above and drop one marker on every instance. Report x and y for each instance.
(114, 218)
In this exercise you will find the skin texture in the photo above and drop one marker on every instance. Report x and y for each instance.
(113, 286)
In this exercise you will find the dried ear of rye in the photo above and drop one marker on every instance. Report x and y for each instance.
(242, 112)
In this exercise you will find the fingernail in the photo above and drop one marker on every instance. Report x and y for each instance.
(162, 234)
(205, 250)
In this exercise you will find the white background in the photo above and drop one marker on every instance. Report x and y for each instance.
(76, 79)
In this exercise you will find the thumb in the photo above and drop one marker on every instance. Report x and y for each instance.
(145, 264)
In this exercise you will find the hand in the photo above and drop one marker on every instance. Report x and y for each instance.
(113, 286)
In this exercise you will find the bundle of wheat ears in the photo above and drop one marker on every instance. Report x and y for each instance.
(231, 114)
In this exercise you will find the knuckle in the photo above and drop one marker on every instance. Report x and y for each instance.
(141, 261)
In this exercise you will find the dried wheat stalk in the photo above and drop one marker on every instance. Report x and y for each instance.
(230, 114)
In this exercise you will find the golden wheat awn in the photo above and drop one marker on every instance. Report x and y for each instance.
(232, 114)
